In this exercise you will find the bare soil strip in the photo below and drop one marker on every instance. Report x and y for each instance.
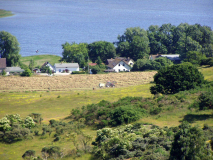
(62, 83)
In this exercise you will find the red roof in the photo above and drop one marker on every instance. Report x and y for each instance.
(92, 64)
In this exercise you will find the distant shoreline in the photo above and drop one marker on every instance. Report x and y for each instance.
(4, 13)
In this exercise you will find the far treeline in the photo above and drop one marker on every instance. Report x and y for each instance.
(194, 43)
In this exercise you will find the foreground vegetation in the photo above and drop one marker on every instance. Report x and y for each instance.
(4, 13)
(62, 128)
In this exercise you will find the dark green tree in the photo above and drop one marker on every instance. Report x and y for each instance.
(175, 78)
(77, 53)
(139, 48)
(189, 144)
(9, 48)
(104, 50)
(193, 57)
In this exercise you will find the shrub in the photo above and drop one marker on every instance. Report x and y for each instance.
(206, 100)
(28, 154)
(125, 114)
(27, 72)
(78, 72)
(3, 72)
(180, 77)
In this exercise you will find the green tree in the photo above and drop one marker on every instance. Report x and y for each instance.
(130, 33)
(139, 48)
(77, 53)
(105, 50)
(194, 57)
(175, 78)
(9, 48)
(31, 64)
(189, 144)
(99, 61)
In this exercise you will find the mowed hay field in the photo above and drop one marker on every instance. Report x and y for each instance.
(70, 82)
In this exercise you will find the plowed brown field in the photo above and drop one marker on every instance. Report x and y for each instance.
(70, 82)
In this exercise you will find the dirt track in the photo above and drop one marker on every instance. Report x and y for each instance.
(40, 83)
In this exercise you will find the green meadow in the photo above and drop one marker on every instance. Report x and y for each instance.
(40, 59)
(58, 105)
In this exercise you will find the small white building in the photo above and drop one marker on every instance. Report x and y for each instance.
(10, 70)
(119, 64)
(66, 67)
(47, 64)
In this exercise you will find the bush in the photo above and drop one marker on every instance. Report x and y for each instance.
(125, 114)
(78, 72)
(180, 77)
(206, 100)
(3, 72)
(27, 73)
(28, 154)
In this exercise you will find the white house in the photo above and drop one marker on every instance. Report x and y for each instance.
(47, 64)
(66, 67)
(119, 64)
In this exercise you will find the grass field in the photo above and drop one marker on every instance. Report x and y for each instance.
(58, 104)
(41, 59)
(4, 13)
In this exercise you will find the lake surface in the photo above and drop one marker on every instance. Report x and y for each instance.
(45, 25)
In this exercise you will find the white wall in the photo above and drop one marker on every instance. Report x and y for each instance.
(121, 66)
(59, 70)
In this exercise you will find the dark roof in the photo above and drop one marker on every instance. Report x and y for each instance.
(113, 62)
(45, 64)
(3, 63)
(153, 57)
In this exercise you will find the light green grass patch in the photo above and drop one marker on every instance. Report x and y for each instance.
(41, 59)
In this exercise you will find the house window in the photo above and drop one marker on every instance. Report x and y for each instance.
(119, 64)
(124, 69)
(59, 70)
(123, 64)
(130, 63)
(119, 70)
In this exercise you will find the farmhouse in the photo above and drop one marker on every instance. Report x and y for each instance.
(66, 67)
(119, 64)
(47, 64)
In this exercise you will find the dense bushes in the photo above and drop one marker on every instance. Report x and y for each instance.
(143, 64)
(151, 142)
(189, 143)
(176, 78)
(124, 111)
(13, 128)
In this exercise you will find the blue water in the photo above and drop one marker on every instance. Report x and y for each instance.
(46, 24)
